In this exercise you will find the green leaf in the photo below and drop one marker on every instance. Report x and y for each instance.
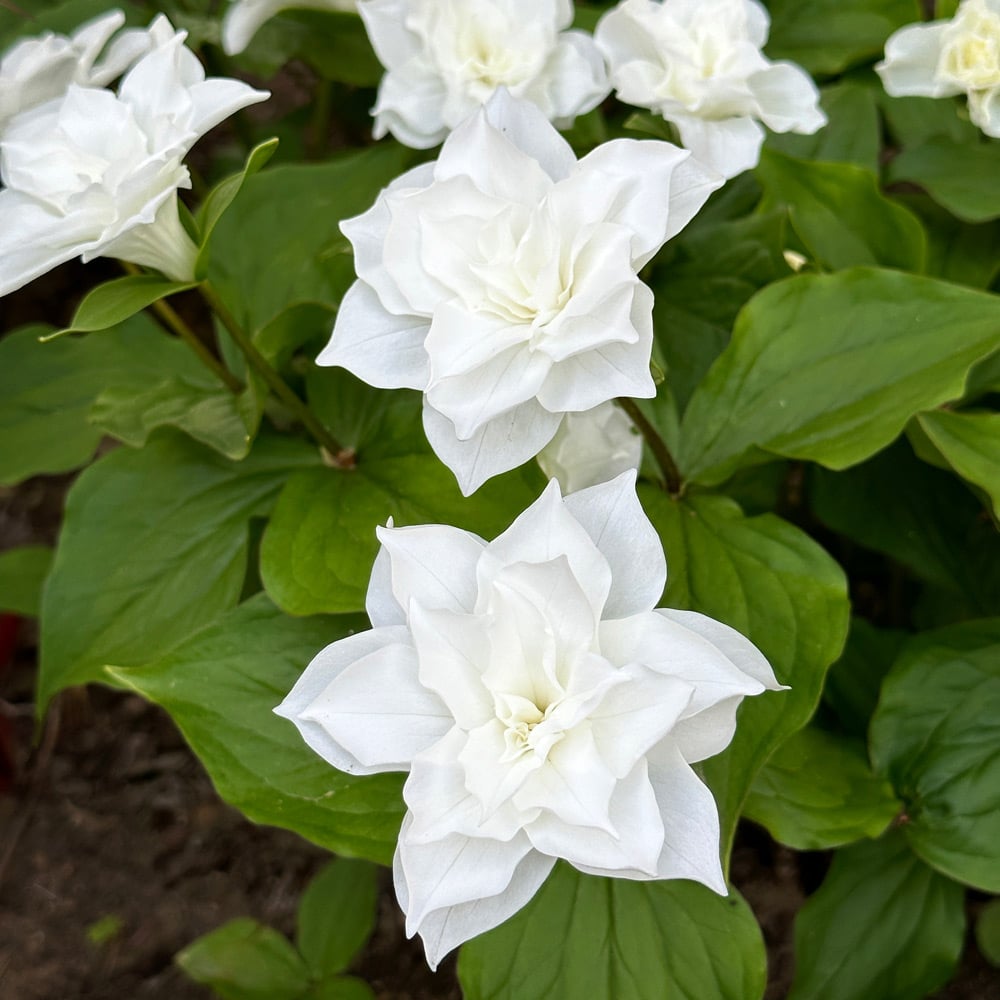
(22, 574)
(259, 276)
(770, 581)
(840, 215)
(988, 932)
(818, 791)
(971, 444)
(921, 517)
(244, 960)
(115, 301)
(50, 15)
(883, 926)
(221, 687)
(319, 547)
(196, 403)
(153, 547)
(935, 735)
(960, 179)
(831, 367)
(911, 121)
(611, 939)
(855, 680)
(851, 134)
(337, 915)
(222, 196)
(827, 36)
(698, 293)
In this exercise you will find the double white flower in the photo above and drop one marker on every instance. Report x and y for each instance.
(244, 17)
(502, 281)
(445, 58)
(945, 58)
(91, 173)
(699, 64)
(541, 705)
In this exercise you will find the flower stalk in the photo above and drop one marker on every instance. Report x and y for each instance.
(672, 478)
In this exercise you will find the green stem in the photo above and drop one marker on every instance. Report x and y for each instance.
(335, 454)
(176, 324)
(671, 474)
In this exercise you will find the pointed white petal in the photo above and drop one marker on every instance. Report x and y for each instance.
(727, 145)
(526, 127)
(911, 60)
(787, 98)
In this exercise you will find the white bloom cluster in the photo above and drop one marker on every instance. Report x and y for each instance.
(502, 282)
(446, 58)
(542, 704)
(945, 58)
(244, 17)
(699, 64)
(92, 173)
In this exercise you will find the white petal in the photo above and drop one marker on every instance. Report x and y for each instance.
(634, 813)
(381, 606)
(575, 76)
(434, 564)
(614, 519)
(758, 22)
(447, 928)
(242, 21)
(526, 127)
(707, 733)
(491, 780)
(502, 445)
(911, 60)
(453, 649)
(788, 100)
(380, 347)
(410, 106)
(635, 715)
(453, 870)
(360, 706)
(728, 145)
(544, 532)
(662, 189)
(984, 110)
(214, 100)
(461, 340)
(385, 22)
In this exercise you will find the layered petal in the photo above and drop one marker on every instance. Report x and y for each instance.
(911, 60)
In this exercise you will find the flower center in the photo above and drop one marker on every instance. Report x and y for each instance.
(971, 55)
(527, 727)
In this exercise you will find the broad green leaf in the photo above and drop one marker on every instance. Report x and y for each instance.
(47, 390)
(911, 121)
(921, 517)
(960, 178)
(988, 932)
(855, 680)
(971, 444)
(261, 276)
(828, 36)
(700, 290)
(319, 547)
(244, 960)
(883, 926)
(851, 134)
(611, 939)
(221, 686)
(22, 573)
(196, 403)
(51, 15)
(830, 368)
(115, 301)
(222, 196)
(935, 735)
(818, 791)
(337, 915)
(769, 580)
(153, 547)
(840, 215)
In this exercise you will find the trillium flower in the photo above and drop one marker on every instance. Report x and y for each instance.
(591, 447)
(699, 64)
(36, 70)
(501, 281)
(244, 17)
(945, 58)
(95, 174)
(543, 707)
(446, 58)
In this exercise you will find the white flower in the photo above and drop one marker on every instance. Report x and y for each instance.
(541, 705)
(698, 63)
(244, 17)
(39, 69)
(591, 447)
(945, 58)
(93, 174)
(445, 58)
(502, 281)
